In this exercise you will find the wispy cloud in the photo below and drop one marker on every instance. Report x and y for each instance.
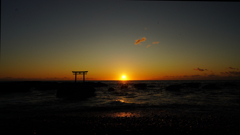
(212, 75)
(145, 28)
(155, 42)
(148, 46)
(232, 68)
(231, 73)
(199, 69)
(140, 40)
(170, 76)
(195, 75)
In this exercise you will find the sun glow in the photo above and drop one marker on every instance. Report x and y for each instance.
(123, 77)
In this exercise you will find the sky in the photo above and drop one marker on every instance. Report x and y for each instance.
(141, 40)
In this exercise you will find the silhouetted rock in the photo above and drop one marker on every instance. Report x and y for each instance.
(151, 86)
(111, 89)
(230, 85)
(75, 91)
(175, 87)
(191, 85)
(43, 86)
(124, 86)
(98, 84)
(10, 87)
(140, 85)
(211, 86)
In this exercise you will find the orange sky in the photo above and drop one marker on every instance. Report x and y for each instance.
(141, 40)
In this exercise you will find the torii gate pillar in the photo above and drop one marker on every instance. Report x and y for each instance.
(79, 73)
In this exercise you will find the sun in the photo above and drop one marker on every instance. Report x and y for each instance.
(123, 77)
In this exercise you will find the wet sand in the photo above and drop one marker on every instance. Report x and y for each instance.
(120, 121)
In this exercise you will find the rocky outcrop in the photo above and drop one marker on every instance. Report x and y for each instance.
(124, 86)
(211, 86)
(175, 87)
(230, 85)
(111, 89)
(140, 85)
(75, 91)
(98, 84)
(11, 87)
(191, 85)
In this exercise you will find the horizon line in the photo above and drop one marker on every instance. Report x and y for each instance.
(114, 80)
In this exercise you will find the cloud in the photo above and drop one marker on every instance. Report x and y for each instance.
(232, 68)
(231, 73)
(155, 42)
(140, 40)
(145, 28)
(195, 75)
(199, 69)
(224, 73)
(212, 75)
(8, 78)
(148, 46)
(169, 76)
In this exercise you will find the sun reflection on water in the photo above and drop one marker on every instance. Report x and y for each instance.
(124, 114)
(121, 100)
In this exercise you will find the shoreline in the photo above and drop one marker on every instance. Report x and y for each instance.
(122, 121)
(57, 118)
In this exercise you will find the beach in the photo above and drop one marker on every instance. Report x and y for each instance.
(149, 110)
(131, 121)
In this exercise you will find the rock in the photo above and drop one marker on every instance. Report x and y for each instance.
(44, 86)
(11, 87)
(140, 85)
(230, 85)
(151, 86)
(211, 86)
(191, 85)
(111, 89)
(175, 87)
(75, 91)
(98, 84)
(124, 86)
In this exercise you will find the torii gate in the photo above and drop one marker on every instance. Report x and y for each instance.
(79, 73)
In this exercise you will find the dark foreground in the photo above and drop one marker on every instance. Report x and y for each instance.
(134, 121)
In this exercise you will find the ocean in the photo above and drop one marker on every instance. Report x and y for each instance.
(223, 97)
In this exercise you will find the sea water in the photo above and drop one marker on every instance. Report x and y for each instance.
(155, 95)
